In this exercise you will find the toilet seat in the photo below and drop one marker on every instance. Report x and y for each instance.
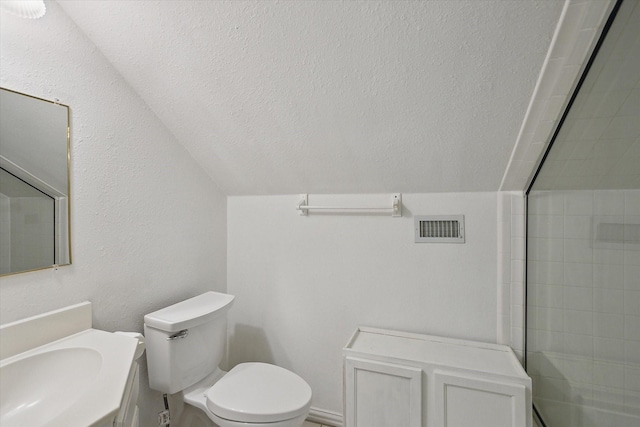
(259, 393)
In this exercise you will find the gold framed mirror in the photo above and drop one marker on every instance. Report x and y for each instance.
(35, 230)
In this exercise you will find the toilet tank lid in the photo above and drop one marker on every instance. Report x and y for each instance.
(191, 312)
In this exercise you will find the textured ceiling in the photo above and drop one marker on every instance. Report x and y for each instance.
(333, 97)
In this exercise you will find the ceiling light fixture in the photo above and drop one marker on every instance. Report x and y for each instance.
(30, 9)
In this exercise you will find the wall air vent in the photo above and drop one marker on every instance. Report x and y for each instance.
(439, 229)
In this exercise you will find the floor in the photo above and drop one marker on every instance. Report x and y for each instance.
(310, 424)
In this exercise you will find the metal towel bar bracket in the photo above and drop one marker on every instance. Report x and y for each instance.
(395, 209)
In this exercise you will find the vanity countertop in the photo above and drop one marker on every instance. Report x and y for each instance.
(470, 355)
(78, 380)
(56, 370)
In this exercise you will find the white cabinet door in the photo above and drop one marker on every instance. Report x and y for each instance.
(381, 394)
(463, 401)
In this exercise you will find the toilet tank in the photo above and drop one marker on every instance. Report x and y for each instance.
(186, 341)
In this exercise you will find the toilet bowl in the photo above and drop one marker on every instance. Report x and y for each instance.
(185, 344)
(253, 394)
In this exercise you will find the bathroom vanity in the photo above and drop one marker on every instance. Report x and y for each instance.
(403, 379)
(55, 370)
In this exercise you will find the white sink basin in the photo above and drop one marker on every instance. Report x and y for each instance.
(75, 381)
(43, 385)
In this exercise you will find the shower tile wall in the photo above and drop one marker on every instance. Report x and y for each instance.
(583, 295)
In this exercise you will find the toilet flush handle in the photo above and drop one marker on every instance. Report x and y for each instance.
(181, 334)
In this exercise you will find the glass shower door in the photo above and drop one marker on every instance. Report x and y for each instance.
(583, 247)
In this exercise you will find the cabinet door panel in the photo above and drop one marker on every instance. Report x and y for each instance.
(379, 394)
(463, 401)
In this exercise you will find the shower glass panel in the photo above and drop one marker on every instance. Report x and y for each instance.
(583, 247)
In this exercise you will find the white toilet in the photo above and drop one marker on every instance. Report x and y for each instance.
(185, 344)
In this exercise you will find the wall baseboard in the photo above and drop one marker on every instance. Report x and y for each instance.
(324, 417)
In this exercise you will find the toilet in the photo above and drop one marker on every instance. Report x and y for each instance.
(185, 344)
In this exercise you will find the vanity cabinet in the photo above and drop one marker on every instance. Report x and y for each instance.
(411, 380)
(128, 414)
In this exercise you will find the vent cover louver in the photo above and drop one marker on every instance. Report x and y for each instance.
(439, 229)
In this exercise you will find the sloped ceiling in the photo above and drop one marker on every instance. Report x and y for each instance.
(333, 97)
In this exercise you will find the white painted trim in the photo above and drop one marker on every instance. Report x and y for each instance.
(511, 265)
(565, 62)
(325, 417)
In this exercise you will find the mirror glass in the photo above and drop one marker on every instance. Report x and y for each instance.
(34, 183)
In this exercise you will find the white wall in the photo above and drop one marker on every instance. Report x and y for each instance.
(303, 284)
(148, 226)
